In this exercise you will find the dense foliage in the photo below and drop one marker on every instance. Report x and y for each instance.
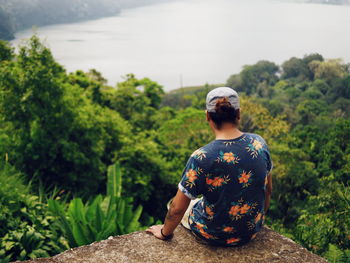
(100, 218)
(63, 130)
(24, 221)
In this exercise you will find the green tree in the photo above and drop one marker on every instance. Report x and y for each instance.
(328, 70)
(6, 51)
(56, 131)
(137, 100)
(254, 75)
(296, 68)
(308, 110)
(342, 89)
(235, 82)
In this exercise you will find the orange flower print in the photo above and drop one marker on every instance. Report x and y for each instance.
(234, 210)
(209, 211)
(253, 236)
(266, 180)
(209, 181)
(258, 218)
(191, 175)
(241, 208)
(216, 182)
(200, 226)
(245, 177)
(229, 229)
(232, 240)
(229, 157)
(244, 209)
(205, 234)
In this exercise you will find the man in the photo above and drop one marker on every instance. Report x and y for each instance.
(231, 173)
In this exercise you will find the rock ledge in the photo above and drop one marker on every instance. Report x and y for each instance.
(268, 247)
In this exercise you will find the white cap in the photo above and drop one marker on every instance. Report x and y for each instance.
(222, 92)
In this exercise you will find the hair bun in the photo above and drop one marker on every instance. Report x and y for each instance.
(222, 105)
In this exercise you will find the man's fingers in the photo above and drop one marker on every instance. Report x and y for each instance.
(150, 230)
(156, 231)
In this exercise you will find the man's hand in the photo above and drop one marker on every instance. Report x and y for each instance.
(176, 211)
(155, 230)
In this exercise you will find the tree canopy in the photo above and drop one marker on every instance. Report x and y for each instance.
(59, 132)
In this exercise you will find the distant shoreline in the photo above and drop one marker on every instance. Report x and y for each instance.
(18, 15)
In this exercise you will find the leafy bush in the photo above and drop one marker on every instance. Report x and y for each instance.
(326, 220)
(100, 218)
(336, 255)
(25, 227)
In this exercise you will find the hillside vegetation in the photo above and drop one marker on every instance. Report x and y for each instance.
(63, 136)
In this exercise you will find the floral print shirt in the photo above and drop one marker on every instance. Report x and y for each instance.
(231, 176)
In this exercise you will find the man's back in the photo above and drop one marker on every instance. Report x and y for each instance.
(231, 175)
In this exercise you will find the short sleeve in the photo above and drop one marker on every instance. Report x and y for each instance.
(191, 183)
(269, 164)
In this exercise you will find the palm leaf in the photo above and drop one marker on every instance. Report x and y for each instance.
(99, 218)
(76, 210)
(57, 210)
(79, 235)
(120, 211)
(91, 209)
(134, 223)
(114, 180)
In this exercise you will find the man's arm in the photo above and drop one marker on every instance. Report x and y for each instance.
(268, 192)
(176, 211)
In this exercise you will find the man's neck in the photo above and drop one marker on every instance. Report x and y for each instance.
(227, 133)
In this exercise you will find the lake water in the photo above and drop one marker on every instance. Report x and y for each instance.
(194, 42)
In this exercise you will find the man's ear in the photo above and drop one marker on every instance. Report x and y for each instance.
(238, 114)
